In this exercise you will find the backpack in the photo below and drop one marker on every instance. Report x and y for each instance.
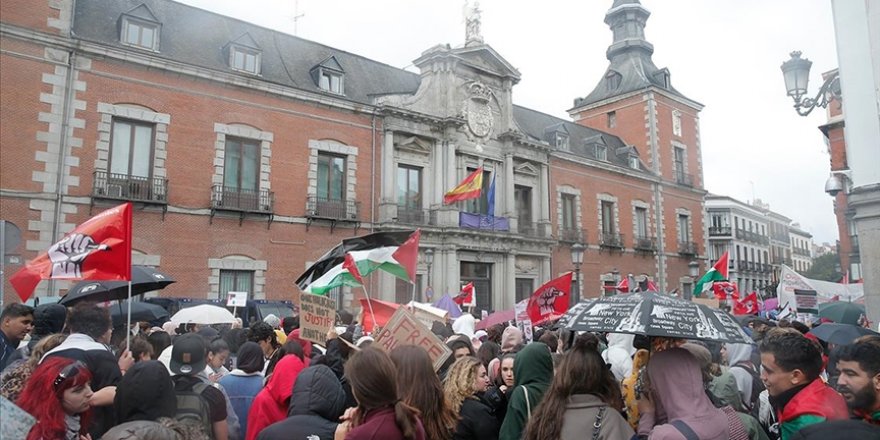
(193, 409)
(757, 388)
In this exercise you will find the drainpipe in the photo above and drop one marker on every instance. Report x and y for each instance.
(373, 171)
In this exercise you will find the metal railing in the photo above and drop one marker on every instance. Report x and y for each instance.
(126, 187)
(570, 235)
(715, 231)
(333, 209)
(687, 248)
(531, 229)
(230, 198)
(611, 240)
(645, 243)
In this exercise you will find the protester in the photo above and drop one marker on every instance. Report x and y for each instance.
(209, 413)
(57, 395)
(582, 402)
(48, 320)
(487, 352)
(677, 386)
(275, 322)
(141, 349)
(289, 324)
(501, 379)
(460, 347)
(90, 328)
(218, 352)
(746, 375)
(244, 382)
(315, 406)
(16, 321)
(167, 429)
(723, 384)
(160, 340)
(511, 340)
(859, 381)
(16, 375)
(380, 413)
(790, 368)
(264, 335)
(506, 375)
(271, 404)
(464, 325)
(145, 393)
(533, 372)
(619, 354)
(419, 387)
(465, 383)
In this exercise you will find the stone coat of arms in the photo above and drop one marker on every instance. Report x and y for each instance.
(477, 110)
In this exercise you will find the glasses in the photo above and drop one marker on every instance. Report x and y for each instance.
(68, 372)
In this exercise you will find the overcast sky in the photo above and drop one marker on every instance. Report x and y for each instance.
(724, 54)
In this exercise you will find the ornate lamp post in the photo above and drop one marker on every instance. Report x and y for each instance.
(577, 258)
(796, 73)
(694, 272)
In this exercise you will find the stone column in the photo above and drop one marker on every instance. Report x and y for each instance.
(508, 294)
(544, 218)
(387, 202)
(508, 202)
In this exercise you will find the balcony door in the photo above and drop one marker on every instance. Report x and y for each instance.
(241, 170)
(331, 186)
(481, 275)
(131, 160)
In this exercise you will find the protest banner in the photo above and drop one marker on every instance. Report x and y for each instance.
(405, 329)
(317, 315)
(807, 301)
(711, 302)
(236, 299)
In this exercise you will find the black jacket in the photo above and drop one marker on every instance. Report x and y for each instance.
(315, 407)
(477, 421)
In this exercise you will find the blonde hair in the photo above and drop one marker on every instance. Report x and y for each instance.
(42, 347)
(459, 383)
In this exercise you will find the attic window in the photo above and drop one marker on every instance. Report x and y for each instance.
(330, 81)
(245, 60)
(601, 152)
(612, 80)
(561, 141)
(140, 33)
(634, 161)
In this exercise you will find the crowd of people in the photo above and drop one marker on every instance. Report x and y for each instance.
(81, 380)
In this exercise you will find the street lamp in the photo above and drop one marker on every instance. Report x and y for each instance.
(577, 258)
(796, 73)
(429, 260)
(694, 272)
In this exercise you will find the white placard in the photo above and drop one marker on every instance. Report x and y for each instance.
(236, 299)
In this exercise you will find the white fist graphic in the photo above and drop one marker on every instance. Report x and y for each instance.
(69, 254)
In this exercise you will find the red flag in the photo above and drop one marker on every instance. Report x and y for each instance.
(352, 268)
(834, 298)
(381, 311)
(623, 285)
(466, 296)
(551, 298)
(724, 289)
(652, 287)
(407, 254)
(748, 305)
(99, 249)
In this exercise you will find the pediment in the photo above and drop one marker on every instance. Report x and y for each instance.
(595, 140)
(415, 144)
(142, 12)
(331, 63)
(486, 58)
(245, 40)
(527, 169)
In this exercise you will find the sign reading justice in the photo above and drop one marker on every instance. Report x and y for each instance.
(404, 329)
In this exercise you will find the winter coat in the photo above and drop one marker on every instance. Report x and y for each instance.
(380, 424)
(142, 429)
(853, 429)
(725, 389)
(533, 370)
(315, 407)
(477, 421)
(580, 416)
(619, 354)
(242, 388)
(272, 402)
(816, 403)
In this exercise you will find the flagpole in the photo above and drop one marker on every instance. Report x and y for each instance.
(414, 291)
(128, 321)
(370, 306)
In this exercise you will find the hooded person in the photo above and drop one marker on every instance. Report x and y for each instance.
(272, 402)
(532, 373)
(464, 325)
(244, 382)
(145, 393)
(48, 319)
(619, 354)
(739, 358)
(677, 385)
(315, 406)
(148, 430)
(511, 338)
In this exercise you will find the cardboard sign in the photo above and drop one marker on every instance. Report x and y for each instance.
(405, 329)
(807, 301)
(236, 299)
(317, 315)
(711, 302)
(428, 314)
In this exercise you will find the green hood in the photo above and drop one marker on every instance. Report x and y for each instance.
(532, 369)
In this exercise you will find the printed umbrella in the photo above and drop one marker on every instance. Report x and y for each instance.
(496, 318)
(143, 279)
(655, 314)
(140, 311)
(203, 314)
(842, 312)
(841, 334)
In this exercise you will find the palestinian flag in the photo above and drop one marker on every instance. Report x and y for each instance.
(718, 272)
(387, 251)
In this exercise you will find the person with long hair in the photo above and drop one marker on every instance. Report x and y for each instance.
(419, 387)
(16, 375)
(57, 395)
(465, 382)
(583, 400)
(380, 414)
(533, 373)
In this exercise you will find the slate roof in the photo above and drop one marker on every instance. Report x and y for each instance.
(195, 36)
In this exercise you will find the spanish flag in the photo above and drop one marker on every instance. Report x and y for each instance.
(469, 188)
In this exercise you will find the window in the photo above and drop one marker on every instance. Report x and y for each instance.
(678, 165)
(330, 81)
(139, 33)
(641, 223)
(331, 177)
(612, 119)
(132, 149)
(480, 205)
(612, 80)
(684, 228)
(241, 165)
(404, 290)
(236, 281)
(245, 60)
(524, 288)
(569, 212)
(676, 123)
(561, 141)
(409, 187)
(602, 152)
(634, 161)
(522, 196)
(608, 226)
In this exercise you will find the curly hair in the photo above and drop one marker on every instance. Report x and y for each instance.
(49, 412)
(419, 386)
(459, 383)
(89, 319)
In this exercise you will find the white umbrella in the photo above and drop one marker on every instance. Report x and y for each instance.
(203, 314)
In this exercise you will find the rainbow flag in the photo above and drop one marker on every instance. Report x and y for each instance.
(469, 188)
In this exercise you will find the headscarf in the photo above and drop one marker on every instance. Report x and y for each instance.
(511, 337)
(272, 320)
(619, 354)
(250, 357)
(170, 328)
(306, 345)
(145, 393)
(464, 325)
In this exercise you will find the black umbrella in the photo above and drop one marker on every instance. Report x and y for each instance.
(656, 314)
(140, 311)
(841, 334)
(143, 279)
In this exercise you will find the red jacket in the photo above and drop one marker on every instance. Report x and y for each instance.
(380, 424)
(271, 403)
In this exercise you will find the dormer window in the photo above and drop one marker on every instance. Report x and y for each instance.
(140, 28)
(329, 76)
(561, 141)
(634, 161)
(612, 80)
(331, 82)
(244, 59)
(602, 152)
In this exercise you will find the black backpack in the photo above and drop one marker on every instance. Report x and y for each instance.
(193, 408)
(757, 388)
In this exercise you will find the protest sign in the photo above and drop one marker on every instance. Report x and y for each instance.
(711, 302)
(807, 301)
(405, 329)
(317, 315)
(236, 299)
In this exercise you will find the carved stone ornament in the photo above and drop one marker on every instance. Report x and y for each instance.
(478, 112)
